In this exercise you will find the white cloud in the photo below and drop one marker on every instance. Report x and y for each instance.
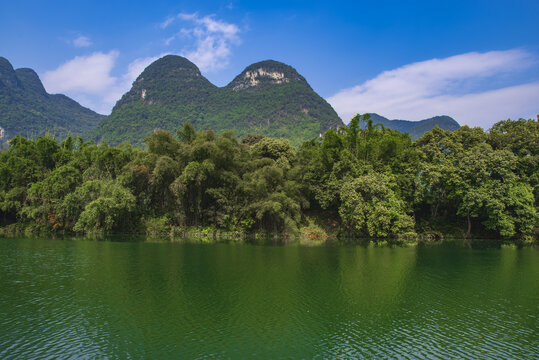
(166, 23)
(88, 74)
(82, 41)
(439, 87)
(213, 40)
(186, 16)
(168, 40)
(88, 79)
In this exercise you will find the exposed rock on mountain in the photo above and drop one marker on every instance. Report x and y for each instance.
(268, 98)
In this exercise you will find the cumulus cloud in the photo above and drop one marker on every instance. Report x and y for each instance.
(442, 87)
(82, 41)
(88, 74)
(88, 79)
(212, 38)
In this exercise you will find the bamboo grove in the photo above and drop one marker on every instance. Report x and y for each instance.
(357, 181)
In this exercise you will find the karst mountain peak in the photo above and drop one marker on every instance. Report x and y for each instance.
(267, 97)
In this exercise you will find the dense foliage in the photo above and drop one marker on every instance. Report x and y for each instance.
(27, 109)
(361, 180)
(172, 90)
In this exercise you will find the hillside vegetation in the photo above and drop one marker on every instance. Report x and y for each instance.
(268, 98)
(27, 109)
(417, 128)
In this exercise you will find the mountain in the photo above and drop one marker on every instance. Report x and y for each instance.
(268, 98)
(416, 128)
(27, 109)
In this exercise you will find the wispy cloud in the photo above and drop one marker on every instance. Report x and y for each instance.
(89, 80)
(81, 41)
(167, 22)
(440, 86)
(212, 39)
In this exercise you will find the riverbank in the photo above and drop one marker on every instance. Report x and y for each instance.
(350, 183)
(306, 236)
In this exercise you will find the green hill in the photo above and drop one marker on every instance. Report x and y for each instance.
(268, 98)
(417, 128)
(27, 109)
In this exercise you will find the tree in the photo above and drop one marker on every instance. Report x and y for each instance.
(187, 134)
(161, 142)
(45, 196)
(371, 207)
(98, 205)
(274, 149)
(490, 190)
(189, 188)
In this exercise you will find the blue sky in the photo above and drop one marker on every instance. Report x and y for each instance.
(475, 60)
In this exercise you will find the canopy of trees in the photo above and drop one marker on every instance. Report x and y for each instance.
(363, 179)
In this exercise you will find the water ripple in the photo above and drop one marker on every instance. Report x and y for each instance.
(83, 299)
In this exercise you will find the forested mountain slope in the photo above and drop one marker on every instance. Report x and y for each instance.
(417, 128)
(268, 98)
(27, 109)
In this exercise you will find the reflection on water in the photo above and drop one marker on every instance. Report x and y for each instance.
(161, 300)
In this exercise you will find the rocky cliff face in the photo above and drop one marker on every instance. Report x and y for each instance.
(265, 73)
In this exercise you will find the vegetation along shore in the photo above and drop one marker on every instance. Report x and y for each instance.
(358, 181)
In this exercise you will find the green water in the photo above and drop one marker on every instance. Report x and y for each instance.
(86, 299)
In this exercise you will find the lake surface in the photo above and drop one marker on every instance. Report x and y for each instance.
(102, 299)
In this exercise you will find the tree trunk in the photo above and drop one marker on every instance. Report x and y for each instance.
(468, 233)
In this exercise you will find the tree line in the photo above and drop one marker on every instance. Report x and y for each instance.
(360, 180)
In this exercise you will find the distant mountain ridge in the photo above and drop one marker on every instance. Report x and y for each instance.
(417, 128)
(268, 98)
(27, 109)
